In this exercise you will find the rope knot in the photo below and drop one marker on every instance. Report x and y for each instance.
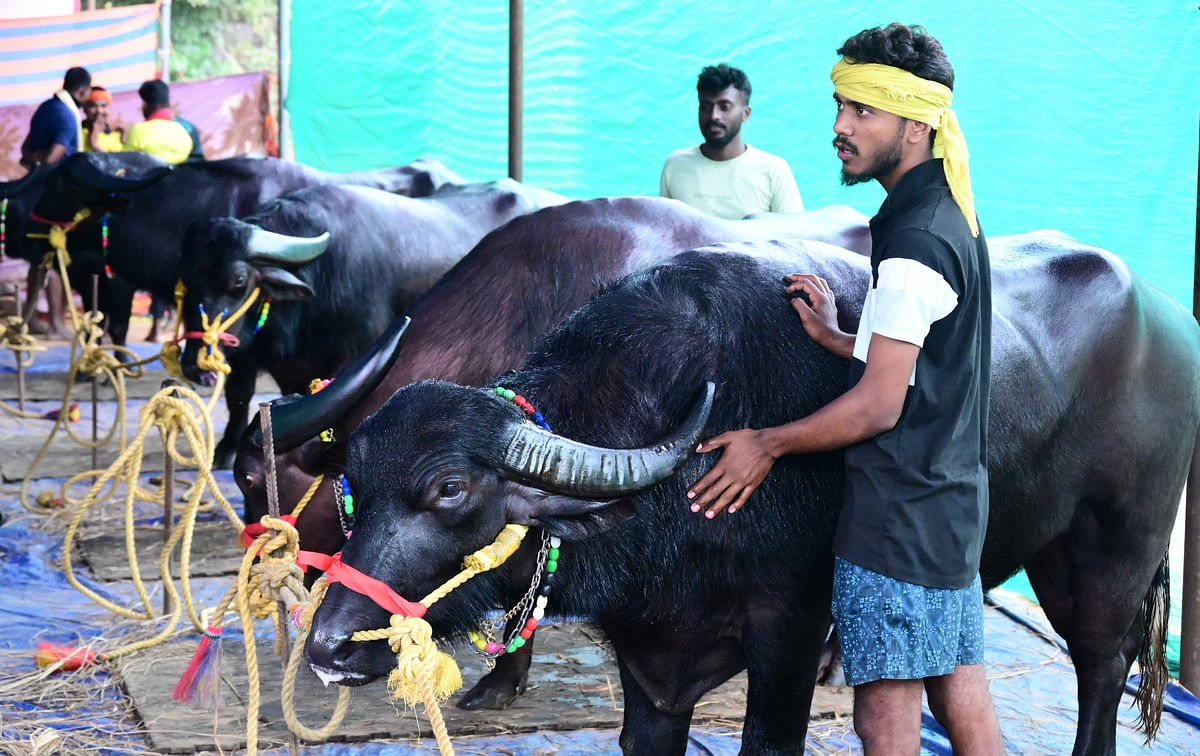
(419, 663)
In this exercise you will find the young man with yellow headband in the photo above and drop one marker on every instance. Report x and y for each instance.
(907, 599)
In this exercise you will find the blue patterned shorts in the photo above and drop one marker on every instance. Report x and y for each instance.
(894, 630)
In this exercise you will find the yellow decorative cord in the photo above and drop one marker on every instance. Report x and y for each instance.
(308, 495)
(211, 358)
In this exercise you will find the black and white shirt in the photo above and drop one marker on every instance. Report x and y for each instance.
(917, 495)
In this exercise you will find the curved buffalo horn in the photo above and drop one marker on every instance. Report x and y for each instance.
(270, 247)
(85, 172)
(293, 424)
(13, 188)
(559, 465)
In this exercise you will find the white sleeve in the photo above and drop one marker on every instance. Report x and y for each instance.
(909, 298)
(786, 195)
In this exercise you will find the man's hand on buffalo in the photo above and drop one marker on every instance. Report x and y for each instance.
(745, 461)
(814, 302)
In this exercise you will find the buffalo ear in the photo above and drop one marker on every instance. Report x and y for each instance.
(282, 285)
(568, 517)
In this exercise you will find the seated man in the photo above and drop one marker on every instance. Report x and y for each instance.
(98, 135)
(160, 134)
(723, 176)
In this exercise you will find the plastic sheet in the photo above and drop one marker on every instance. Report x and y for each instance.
(1054, 98)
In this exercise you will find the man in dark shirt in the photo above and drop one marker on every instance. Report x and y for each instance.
(907, 598)
(54, 130)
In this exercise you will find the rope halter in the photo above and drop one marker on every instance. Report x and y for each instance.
(217, 332)
(419, 663)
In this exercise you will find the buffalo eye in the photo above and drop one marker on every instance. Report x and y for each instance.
(239, 281)
(248, 479)
(451, 489)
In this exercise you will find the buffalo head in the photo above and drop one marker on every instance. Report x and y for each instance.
(95, 180)
(224, 261)
(436, 473)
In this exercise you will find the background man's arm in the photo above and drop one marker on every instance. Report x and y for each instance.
(664, 188)
(786, 195)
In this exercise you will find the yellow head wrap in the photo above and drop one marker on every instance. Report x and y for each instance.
(909, 96)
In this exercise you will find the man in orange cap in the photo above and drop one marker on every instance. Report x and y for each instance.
(98, 134)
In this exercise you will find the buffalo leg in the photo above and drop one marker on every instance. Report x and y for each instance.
(1091, 584)
(35, 280)
(647, 730)
(117, 304)
(507, 680)
(239, 390)
(780, 690)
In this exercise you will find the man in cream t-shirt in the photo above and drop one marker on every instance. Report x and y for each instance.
(724, 176)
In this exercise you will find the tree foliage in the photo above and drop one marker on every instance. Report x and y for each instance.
(219, 37)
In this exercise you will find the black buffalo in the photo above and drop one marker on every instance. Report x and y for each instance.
(150, 204)
(21, 195)
(334, 266)
(482, 318)
(1094, 417)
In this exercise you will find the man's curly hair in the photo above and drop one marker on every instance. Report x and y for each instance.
(907, 47)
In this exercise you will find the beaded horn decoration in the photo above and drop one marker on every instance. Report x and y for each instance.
(3, 225)
(532, 606)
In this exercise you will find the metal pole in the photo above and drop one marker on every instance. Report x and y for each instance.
(95, 382)
(168, 495)
(1189, 646)
(164, 40)
(285, 67)
(516, 77)
(281, 628)
(21, 382)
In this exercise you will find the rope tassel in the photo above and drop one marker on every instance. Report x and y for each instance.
(200, 681)
(419, 663)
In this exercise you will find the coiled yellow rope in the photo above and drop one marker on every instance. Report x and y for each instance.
(90, 358)
(176, 412)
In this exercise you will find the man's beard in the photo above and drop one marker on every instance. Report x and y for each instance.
(885, 162)
(719, 143)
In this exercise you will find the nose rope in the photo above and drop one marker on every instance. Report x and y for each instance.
(217, 332)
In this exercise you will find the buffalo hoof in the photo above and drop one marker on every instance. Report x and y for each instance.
(491, 693)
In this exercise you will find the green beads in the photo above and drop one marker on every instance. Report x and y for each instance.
(348, 504)
(505, 393)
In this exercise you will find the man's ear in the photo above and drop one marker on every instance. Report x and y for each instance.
(567, 517)
(918, 132)
(746, 114)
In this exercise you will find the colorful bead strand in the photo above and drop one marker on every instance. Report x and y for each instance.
(532, 606)
(345, 504)
(262, 315)
(104, 244)
(3, 225)
(524, 405)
